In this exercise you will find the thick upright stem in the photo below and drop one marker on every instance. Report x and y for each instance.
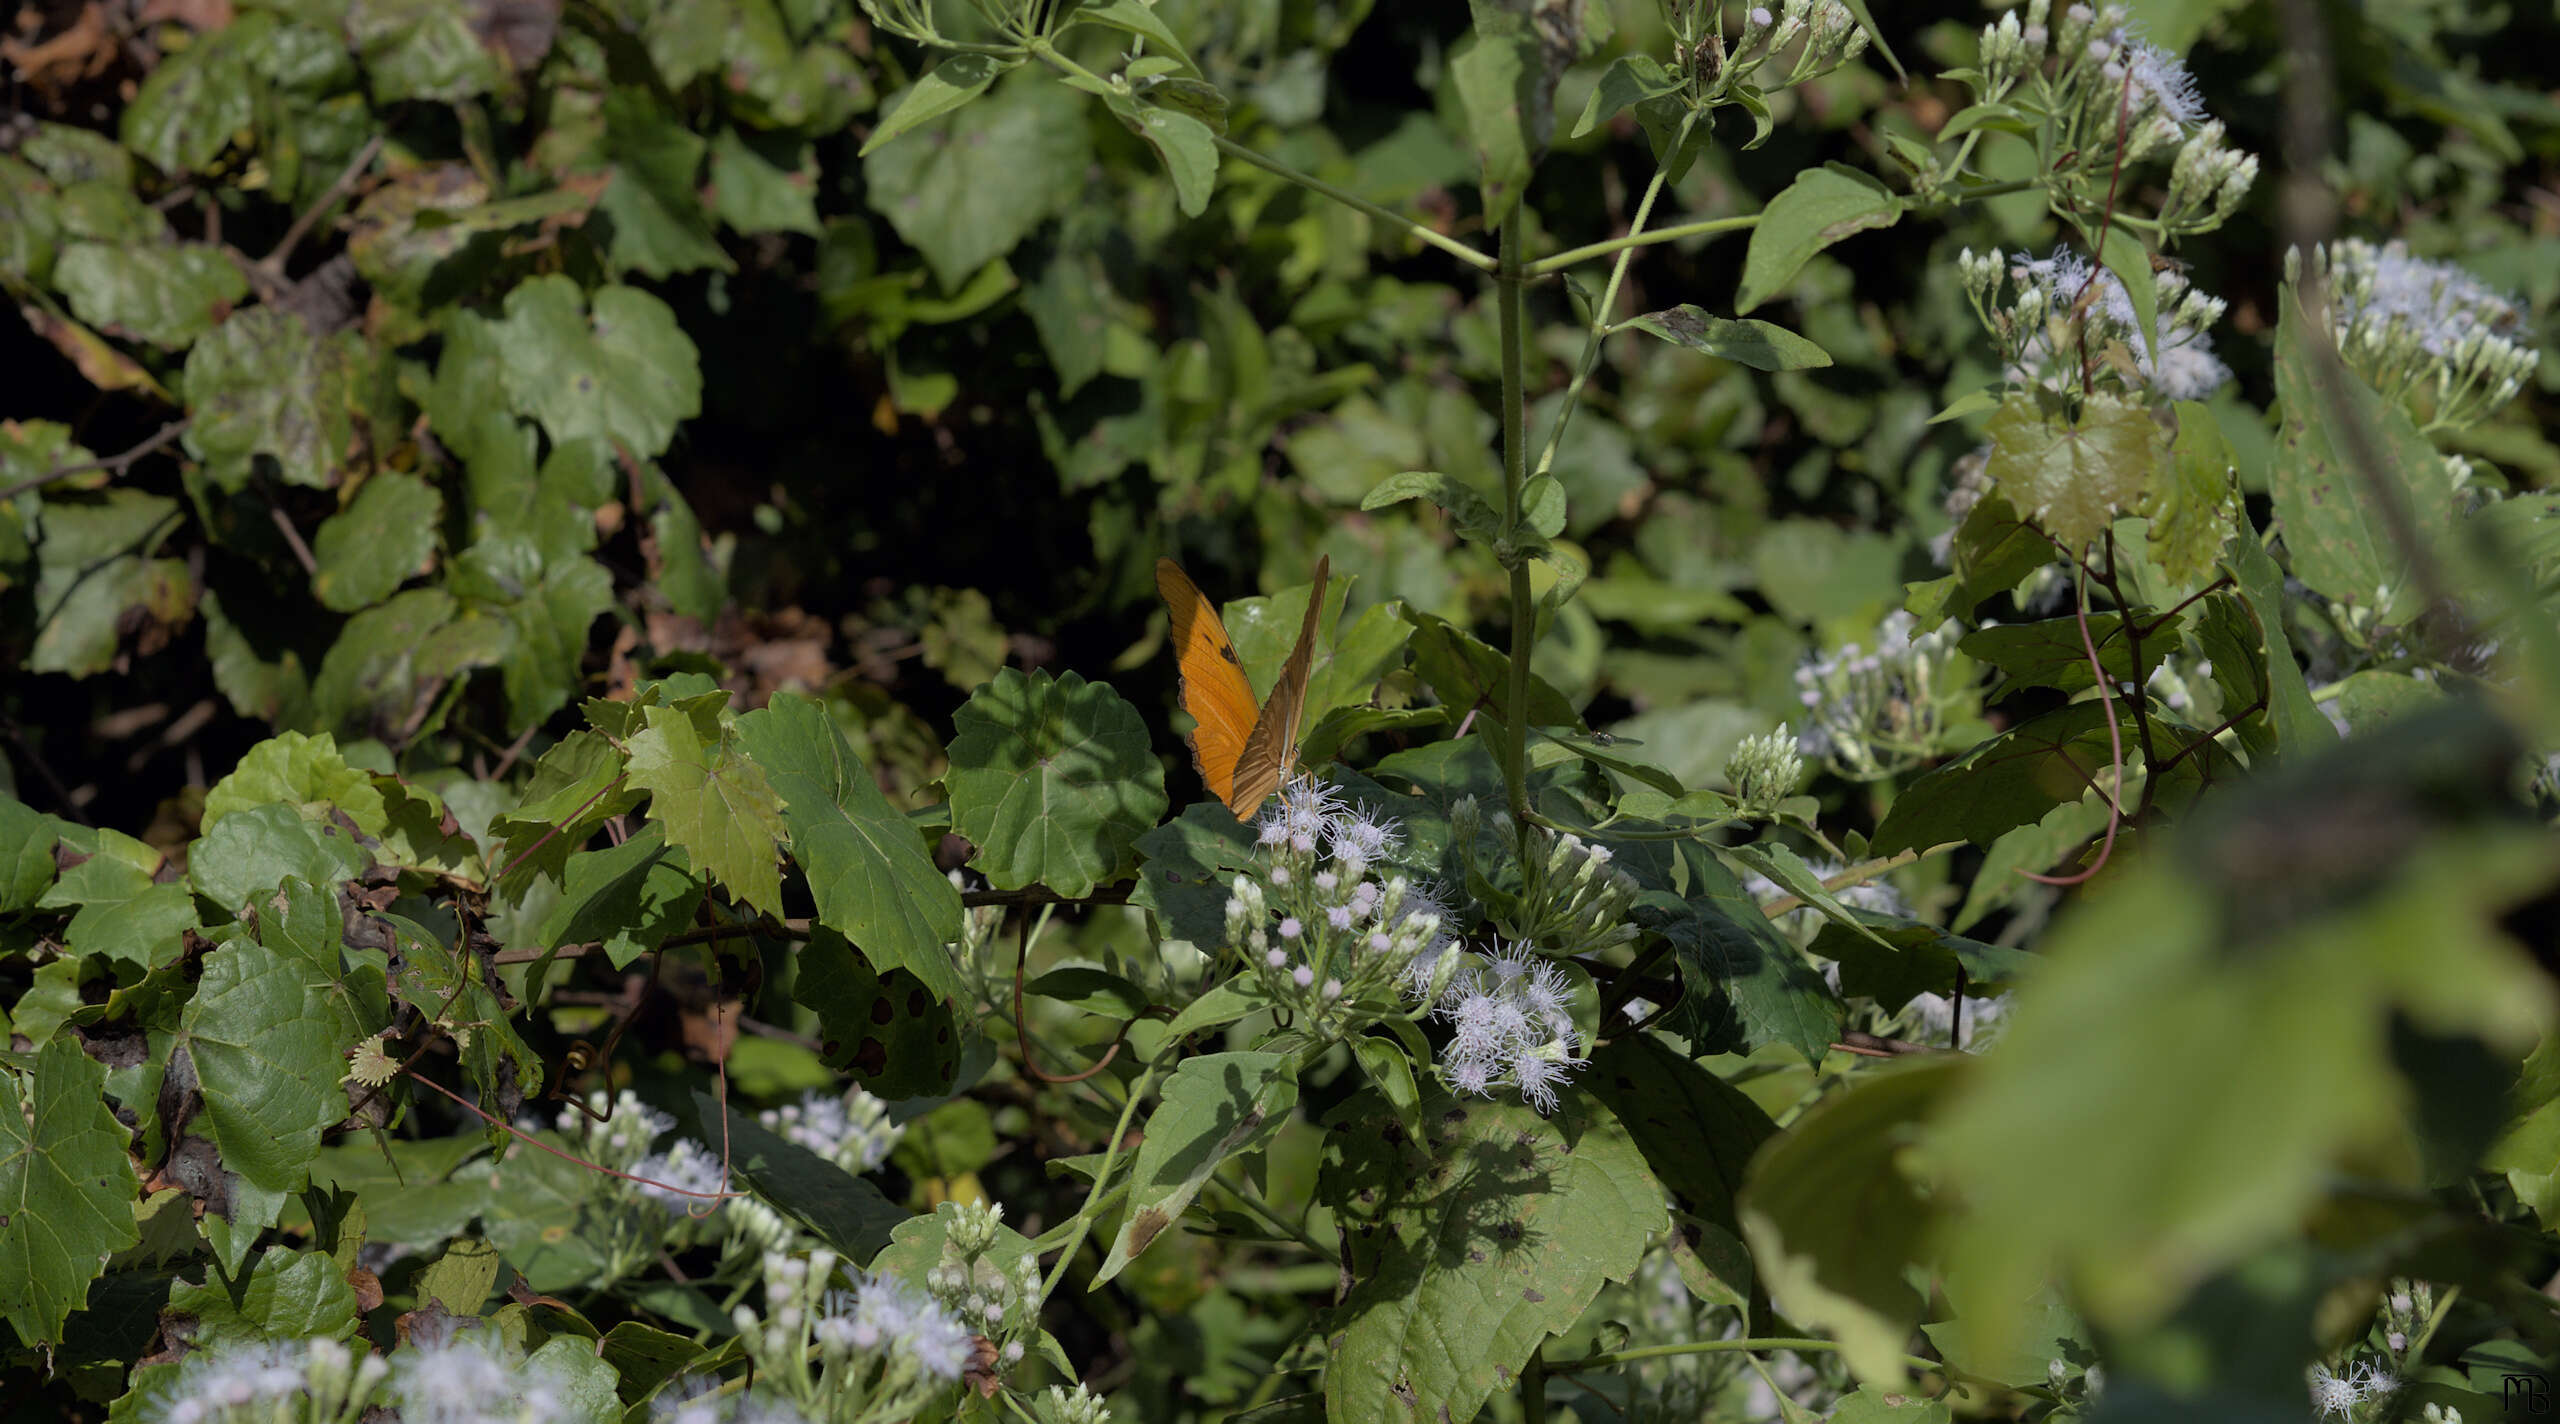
(1508, 279)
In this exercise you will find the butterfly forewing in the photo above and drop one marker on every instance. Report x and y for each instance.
(1272, 749)
(1214, 689)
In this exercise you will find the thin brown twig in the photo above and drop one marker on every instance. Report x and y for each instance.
(273, 262)
(293, 540)
(114, 464)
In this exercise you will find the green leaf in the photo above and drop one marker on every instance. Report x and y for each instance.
(2299, 725)
(644, 1356)
(715, 803)
(268, 1032)
(1052, 780)
(2130, 261)
(1873, 1405)
(1189, 151)
(198, 100)
(1629, 79)
(143, 928)
(764, 184)
(966, 190)
(167, 294)
(27, 839)
(303, 772)
(572, 793)
(96, 570)
(1745, 980)
(1992, 551)
(66, 1189)
(660, 225)
(1466, 672)
(2049, 652)
(1470, 1247)
(1216, 1106)
(2072, 478)
(873, 877)
(628, 898)
(847, 1212)
(885, 1027)
(2008, 781)
(420, 49)
(2339, 537)
(953, 81)
(374, 545)
(1697, 1132)
(624, 372)
(1756, 344)
(287, 1295)
(2193, 506)
(1136, 17)
(1189, 863)
(460, 1280)
(2227, 634)
(1833, 1222)
(256, 850)
(1820, 208)
(1893, 959)
(264, 384)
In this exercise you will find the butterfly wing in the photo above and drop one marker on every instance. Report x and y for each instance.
(1272, 748)
(1214, 689)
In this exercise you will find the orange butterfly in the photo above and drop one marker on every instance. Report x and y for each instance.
(1243, 753)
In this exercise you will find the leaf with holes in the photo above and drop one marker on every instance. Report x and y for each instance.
(886, 1028)
(1053, 780)
(873, 877)
(1472, 1246)
(714, 802)
(66, 1188)
(1216, 1106)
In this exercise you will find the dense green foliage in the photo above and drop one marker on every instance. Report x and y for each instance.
(1934, 736)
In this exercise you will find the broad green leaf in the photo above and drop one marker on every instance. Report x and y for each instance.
(1136, 17)
(967, 189)
(254, 851)
(268, 1032)
(660, 224)
(1215, 1106)
(2130, 262)
(586, 1382)
(1189, 151)
(577, 786)
(2003, 783)
(376, 543)
(66, 1189)
(2192, 505)
(287, 1294)
(1053, 780)
(2227, 634)
(2050, 652)
(2340, 538)
(1873, 1405)
(1992, 551)
(2376, 698)
(1189, 863)
(1756, 344)
(198, 100)
(302, 772)
(167, 294)
(644, 1356)
(1470, 1247)
(2300, 728)
(460, 1280)
(953, 81)
(1223, 1004)
(96, 571)
(2071, 478)
(2036, 847)
(1498, 82)
(1467, 672)
(1744, 980)
(1820, 208)
(264, 384)
(885, 1027)
(628, 898)
(1834, 1223)
(142, 929)
(421, 49)
(27, 839)
(847, 1212)
(622, 372)
(764, 184)
(1697, 1132)
(1892, 958)
(2208, 1046)
(1816, 572)
(1630, 79)
(871, 874)
(715, 803)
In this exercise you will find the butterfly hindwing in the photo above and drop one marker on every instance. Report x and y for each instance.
(1272, 749)
(1214, 689)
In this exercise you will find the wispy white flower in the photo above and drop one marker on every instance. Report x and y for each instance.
(472, 1377)
(685, 1179)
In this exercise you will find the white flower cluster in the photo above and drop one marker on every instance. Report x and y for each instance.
(1060, 1406)
(2336, 1396)
(1326, 939)
(616, 1131)
(987, 1300)
(1871, 714)
(698, 1399)
(877, 1351)
(2068, 316)
(851, 1130)
(617, 1134)
(268, 1382)
(2422, 329)
(475, 1377)
(1765, 769)
(1510, 1025)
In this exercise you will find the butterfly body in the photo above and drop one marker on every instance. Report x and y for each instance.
(1243, 747)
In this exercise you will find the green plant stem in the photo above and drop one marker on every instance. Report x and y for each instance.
(1508, 281)
(1356, 203)
(1606, 1358)
(1093, 1200)
(1252, 1201)
(1533, 1388)
(1608, 303)
(1860, 875)
(1549, 266)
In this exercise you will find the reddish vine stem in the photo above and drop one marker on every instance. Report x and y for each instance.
(2115, 749)
(1022, 1029)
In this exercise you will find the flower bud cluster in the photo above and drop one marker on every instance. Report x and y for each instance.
(268, 1382)
(1871, 714)
(2068, 317)
(1820, 35)
(1059, 1406)
(683, 1183)
(1510, 1025)
(2422, 331)
(616, 1131)
(1765, 769)
(1573, 901)
(851, 1130)
(1326, 930)
(977, 1290)
(878, 1351)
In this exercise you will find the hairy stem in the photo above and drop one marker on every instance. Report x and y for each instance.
(1508, 281)
(1408, 226)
